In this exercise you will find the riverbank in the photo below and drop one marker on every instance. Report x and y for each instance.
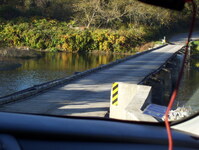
(25, 53)
(194, 54)
(195, 48)
(52, 35)
(21, 53)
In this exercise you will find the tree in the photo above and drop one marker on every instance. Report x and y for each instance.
(87, 11)
(98, 12)
(114, 10)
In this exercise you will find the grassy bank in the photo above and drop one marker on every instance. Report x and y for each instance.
(195, 54)
(87, 25)
(195, 48)
(53, 35)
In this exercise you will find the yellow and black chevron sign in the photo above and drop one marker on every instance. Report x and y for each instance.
(115, 94)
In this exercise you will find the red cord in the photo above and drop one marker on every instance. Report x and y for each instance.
(174, 94)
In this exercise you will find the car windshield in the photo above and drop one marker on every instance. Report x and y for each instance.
(97, 58)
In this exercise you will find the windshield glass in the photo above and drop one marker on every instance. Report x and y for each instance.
(97, 58)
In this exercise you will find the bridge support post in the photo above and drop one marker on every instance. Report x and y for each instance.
(129, 100)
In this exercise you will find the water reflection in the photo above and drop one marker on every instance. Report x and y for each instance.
(189, 90)
(51, 66)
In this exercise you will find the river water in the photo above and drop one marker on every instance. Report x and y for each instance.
(50, 67)
(188, 94)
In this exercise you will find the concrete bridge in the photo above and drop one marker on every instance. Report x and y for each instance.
(89, 93)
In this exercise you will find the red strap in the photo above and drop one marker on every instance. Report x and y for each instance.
(174, 94)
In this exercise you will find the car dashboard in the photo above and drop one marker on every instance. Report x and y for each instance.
(35, 132)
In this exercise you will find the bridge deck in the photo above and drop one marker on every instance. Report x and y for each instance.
(89, 95)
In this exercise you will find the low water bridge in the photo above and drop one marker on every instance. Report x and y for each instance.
(90, 94)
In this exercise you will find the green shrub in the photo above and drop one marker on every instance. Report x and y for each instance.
(53, 35)
(195, 49)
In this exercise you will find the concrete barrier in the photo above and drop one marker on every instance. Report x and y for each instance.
(129, 100)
